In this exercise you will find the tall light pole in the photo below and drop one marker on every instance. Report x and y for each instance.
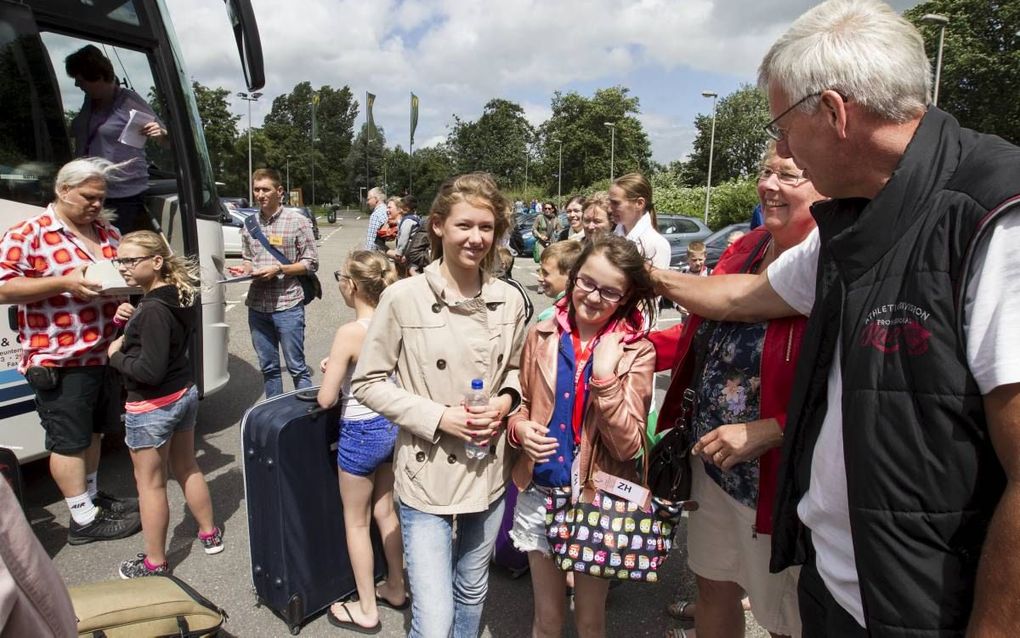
(288, 179)
(313, 135)
(612, 149)
(942, 21)
(249, 98)
(711, 149)
(527, 155)
(559, 176)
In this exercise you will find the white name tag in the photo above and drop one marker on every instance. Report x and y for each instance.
(636, 494)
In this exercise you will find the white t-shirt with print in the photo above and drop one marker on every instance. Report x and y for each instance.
(991, 317)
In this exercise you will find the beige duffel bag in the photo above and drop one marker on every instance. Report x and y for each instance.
(149, 606)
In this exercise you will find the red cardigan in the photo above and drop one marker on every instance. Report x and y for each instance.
(778, 363)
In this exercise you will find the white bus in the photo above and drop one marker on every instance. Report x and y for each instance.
(37, 100)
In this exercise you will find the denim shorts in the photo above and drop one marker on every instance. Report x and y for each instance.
(528, 531)
(365, 445)
(154, 428)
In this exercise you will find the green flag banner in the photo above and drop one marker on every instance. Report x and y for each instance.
(369, 103)
(414, 115)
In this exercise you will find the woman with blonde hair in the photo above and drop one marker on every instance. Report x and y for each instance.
(162, 400)
(364, 451)
(439, 334)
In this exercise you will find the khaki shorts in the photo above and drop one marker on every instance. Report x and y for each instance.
(722, 547)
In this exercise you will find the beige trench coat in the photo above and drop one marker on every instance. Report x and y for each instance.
(436, 349)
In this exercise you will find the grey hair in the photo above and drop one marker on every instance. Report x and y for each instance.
(377, 193)
(860, 48)
(79, 171)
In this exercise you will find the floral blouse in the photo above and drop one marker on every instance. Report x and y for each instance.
(729, 392)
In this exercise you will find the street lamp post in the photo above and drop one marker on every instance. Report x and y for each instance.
(249, 98)
(559, 176)
(612, 149)
(312, 104)
(288, 179)
(711, 149)
(942, 21)
(526, 157)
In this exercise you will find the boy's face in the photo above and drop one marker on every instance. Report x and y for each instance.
(550, 279)
(695, 262)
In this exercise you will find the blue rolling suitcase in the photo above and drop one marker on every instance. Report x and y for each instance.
(299, 557)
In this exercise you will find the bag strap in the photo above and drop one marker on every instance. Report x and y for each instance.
(251, 224)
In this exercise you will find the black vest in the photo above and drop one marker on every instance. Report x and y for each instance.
(922, 477)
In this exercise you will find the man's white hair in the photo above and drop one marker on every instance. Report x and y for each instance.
(377, 193)
(861, 48)
(81, 170)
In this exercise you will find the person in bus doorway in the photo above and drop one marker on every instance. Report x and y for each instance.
(97, 130)
(276, 312)
(65, 327)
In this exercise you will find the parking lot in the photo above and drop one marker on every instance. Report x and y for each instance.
(633, 609)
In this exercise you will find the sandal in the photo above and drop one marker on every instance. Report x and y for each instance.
(349, 624)
(679, 632)
(681, 609)
(382, 602)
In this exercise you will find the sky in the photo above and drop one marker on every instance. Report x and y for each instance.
(456, 55)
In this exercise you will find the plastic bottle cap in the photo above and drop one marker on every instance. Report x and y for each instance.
(476, 384)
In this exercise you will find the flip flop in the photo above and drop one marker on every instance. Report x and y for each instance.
(382, 602)
(349, 624)
(678, 609)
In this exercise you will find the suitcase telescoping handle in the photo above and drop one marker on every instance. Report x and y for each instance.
(310, 395)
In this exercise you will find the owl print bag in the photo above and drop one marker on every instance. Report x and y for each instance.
(624, 533)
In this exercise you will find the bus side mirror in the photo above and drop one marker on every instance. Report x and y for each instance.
(249, 44)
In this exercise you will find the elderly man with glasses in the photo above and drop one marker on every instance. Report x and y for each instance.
(900, 486)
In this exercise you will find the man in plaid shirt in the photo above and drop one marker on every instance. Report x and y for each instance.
(376, 199)
(276, 311)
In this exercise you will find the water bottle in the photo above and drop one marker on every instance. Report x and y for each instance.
(476, 397)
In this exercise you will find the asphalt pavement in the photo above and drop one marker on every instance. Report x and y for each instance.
(633, 609)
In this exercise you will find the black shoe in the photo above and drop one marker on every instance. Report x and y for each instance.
(116, 505)
(105, 526)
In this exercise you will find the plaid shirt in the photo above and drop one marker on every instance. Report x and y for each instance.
(376, 221)
(293, 231)
(59, 331)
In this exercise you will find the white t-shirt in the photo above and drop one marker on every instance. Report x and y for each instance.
(991, 317)
(650, 243)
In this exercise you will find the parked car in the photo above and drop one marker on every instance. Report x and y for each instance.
(231, 223)
(680, 230)
(718, 242)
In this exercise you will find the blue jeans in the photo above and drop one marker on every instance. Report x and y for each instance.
(271, 331)
(449, 578)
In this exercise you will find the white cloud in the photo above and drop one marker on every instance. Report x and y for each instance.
(457, 54)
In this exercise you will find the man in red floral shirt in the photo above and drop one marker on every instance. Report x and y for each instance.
(64, 327)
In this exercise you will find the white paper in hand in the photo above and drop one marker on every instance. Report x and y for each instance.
(113, 284)
(132, 135)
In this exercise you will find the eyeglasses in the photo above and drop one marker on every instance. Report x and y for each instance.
(772, 128)
(130, 262)
(790, 179)
(588, 286)
(338, 275)
(547, 208)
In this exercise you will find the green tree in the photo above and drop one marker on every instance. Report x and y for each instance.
(980, 63)
(354, 164)
(497, 142)
(580, 124)
(288, 127)
(432, 165)
(220, 127)
(740, 138)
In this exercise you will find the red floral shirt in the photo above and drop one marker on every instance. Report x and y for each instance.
(58, 331)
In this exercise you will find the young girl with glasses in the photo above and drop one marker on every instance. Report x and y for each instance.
(364, 452)
(438, 332)
(586, 374)
(162, 400)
